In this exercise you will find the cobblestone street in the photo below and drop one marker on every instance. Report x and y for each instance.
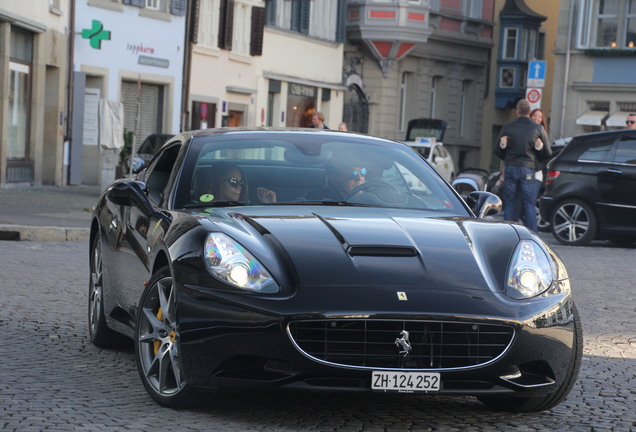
(53, 379)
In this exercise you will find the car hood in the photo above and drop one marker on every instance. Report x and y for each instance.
(354, 246)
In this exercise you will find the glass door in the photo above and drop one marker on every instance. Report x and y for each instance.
(18, 111)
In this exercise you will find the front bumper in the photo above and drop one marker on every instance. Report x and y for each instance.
(235, 342)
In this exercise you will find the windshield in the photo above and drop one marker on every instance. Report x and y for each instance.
(309, 168)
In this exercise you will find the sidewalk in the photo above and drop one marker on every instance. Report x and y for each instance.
(47, 213)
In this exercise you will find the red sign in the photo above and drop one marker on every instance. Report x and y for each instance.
(534, 96)
(204, 110)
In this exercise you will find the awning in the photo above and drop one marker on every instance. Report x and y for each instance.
(617, 119)
(592, 118)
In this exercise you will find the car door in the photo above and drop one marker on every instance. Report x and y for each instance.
(617, 184)
(143, 224)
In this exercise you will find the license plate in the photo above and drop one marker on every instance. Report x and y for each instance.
(405, 381)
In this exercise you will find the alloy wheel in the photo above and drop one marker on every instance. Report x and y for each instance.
(573, 223)
(158, 341)
(96, 294)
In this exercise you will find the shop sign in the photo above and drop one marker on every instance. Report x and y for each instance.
(302, 90)
(153, 61)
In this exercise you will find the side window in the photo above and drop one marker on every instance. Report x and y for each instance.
(597, 152)
(159, 173)
(626, 152)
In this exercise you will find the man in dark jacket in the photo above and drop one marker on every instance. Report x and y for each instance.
(521, 144)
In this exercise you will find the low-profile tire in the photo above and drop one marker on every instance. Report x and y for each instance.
(99, 332)
(573, 223)
(546, 402)
(157, 346)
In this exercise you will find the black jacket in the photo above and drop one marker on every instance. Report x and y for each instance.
(522, 133)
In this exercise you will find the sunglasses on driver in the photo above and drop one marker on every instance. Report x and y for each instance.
(356, 174)
(234, 182)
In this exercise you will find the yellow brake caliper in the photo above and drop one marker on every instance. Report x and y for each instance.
(157, 343)
(173, 335)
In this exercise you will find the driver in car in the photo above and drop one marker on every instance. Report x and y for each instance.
(341, 180)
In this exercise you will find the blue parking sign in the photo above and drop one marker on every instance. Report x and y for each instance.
(536, 73)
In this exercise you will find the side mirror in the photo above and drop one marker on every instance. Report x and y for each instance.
(484, 203)
(130, 193)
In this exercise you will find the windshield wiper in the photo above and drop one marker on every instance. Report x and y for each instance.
(214, 204)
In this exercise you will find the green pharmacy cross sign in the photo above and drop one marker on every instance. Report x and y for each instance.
(96, 34)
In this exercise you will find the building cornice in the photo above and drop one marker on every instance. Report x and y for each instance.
(602, 87)
(293, 79)
(22, 22)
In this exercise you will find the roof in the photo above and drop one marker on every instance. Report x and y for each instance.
(519, 9)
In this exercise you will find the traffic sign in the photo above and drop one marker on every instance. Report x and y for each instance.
(533, 95)
(536, 73)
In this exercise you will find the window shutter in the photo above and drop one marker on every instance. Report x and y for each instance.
(194, 21)
(178, 7)
(305, 8)
(226, 24)
(256, 36)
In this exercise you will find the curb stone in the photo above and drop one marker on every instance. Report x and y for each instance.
(43, 233)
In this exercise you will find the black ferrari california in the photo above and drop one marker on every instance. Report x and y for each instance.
(324, 260)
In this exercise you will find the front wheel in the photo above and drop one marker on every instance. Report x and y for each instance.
(157, 346)
(573, 223)
(542, 403)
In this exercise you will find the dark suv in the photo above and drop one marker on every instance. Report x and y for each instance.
(591, 189)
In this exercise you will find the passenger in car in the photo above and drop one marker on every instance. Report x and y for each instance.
(228, 182)
(341, 180)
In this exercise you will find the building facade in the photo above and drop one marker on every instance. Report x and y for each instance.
(418, 59)
(127, 51)
(594, 84)
(225, 50)
(264, 63)
(301, 69)
(526, 32)
(33, 72)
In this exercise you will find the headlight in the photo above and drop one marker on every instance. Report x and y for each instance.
(231, 263)
(530, 272)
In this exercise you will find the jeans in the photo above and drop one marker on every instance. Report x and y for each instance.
(520, 181)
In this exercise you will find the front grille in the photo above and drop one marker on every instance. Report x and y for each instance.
(372, 343)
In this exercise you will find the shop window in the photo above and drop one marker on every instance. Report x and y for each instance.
(203, 115)
(19, 94)
(301, 104)
(19, 81)
(606, 24)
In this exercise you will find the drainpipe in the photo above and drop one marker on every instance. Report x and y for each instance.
(567, 67)
(69, 90)
(190, 26)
